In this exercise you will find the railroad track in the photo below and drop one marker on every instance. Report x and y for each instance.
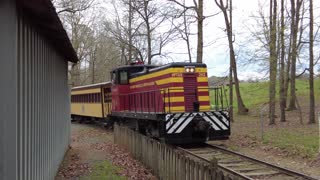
(240, 165)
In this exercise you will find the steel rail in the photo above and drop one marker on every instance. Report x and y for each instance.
(275, 167)
(282, 170)
(229, 170)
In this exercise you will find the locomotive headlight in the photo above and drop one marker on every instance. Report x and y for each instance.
(189, 69)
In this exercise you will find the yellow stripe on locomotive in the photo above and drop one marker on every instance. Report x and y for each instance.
(171, 81)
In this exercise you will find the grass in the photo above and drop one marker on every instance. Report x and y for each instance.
(293, 142)
(254, 95)
(296, 141)
(104, 170)
(233, 148)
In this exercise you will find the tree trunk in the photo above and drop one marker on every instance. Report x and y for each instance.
(231, 93)
(75, 67)
(130, 32)
(287, 73)
(123, 56)
(200, 31)
(93, 72)
(282, 65)
(273, 60)
(148, 30)
(295, 15)
(241, 107)
(93, 64)
(75, 74)
(230, 74)
(186, 33)
(189, 51)
(312, 115)
(149, 43)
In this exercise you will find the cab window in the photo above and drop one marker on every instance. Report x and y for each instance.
(123, 77)
(114, 78)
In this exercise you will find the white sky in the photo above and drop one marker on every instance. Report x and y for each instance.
(216, 53)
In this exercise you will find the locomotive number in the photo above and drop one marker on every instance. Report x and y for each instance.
(202, 74)
(176, 75)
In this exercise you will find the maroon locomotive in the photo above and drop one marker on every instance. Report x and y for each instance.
(170, 102)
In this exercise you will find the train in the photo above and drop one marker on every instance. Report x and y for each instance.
(172, 102)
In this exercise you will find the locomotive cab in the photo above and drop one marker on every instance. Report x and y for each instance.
(120, 84)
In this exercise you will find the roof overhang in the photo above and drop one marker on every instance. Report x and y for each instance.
(42, 15)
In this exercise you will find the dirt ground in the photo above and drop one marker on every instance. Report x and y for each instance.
(246, 138)
(92, 155)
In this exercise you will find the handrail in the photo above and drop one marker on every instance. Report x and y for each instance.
(217, 99)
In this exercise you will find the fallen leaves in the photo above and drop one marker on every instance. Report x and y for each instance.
(74, 168)
(316, 161)
(131, 168)
(88, 141)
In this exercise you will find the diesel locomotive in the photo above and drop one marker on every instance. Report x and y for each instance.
(172, 103)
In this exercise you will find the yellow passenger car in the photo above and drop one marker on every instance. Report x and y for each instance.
(91, 102)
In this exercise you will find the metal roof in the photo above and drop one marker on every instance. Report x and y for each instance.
(42, 15)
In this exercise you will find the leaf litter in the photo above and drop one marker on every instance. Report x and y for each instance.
(90, 144)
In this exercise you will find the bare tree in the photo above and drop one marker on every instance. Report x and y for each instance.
(72, 6)
(273, 60)
(95, 48)
(127, 32)
(187, 35)
(295, 19)
(311, 66)
(199, 10)
(282, 66)
(230, 73)
(145, 14)
(184, 29)
(71, 14)
(81, 38)
(103, 56)
(130, 19)
(224, 7)
(92, 63)
(197, 7)
(153, 16)
(291, 46)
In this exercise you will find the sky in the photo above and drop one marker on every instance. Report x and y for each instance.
(216, 52)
